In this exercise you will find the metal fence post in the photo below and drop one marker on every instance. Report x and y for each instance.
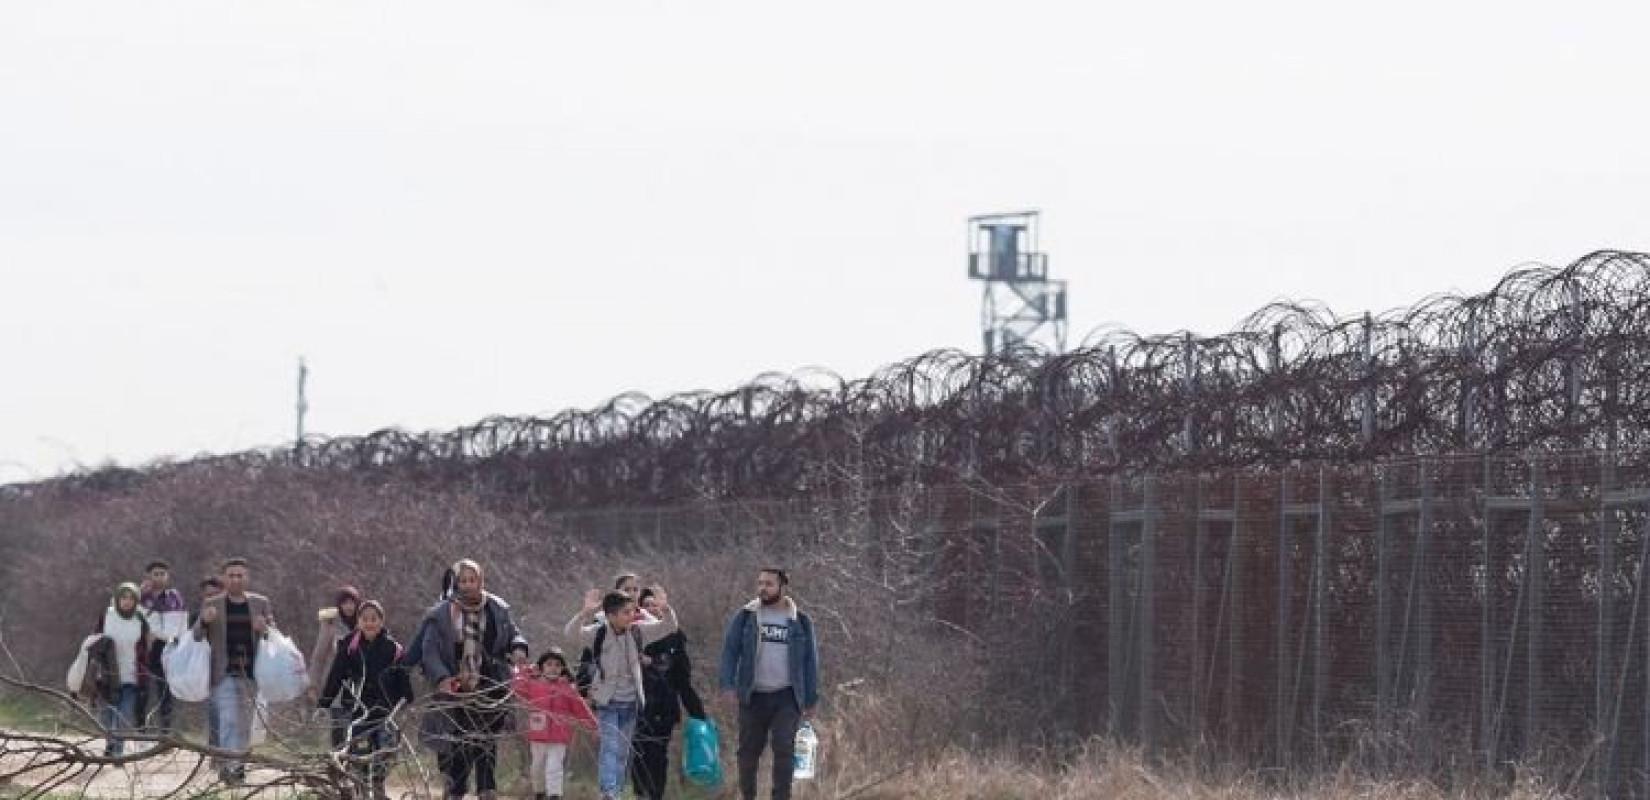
(1383, 621)
(1282, 712)
(1423, 602)
(1604, 766)
(1320, 615)
(1199, 542)
(1116, 654)
(1535, 564)
(1235, 603)
(1644, 572)
(1487, 718)
(1148, 548)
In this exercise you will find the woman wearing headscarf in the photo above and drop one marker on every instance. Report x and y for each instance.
(122, 665)
(465, 656)
(336, 622)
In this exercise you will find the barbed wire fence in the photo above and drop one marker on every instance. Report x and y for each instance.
(1550, 358)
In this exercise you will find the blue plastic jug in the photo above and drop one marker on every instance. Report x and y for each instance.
(701, 753)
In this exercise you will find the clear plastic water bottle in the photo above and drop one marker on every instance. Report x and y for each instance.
(807, 753)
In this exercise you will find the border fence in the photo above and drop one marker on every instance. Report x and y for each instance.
(1435, 613)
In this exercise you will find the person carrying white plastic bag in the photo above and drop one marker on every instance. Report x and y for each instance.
(279, 669)
(235, 624)
(188, 665)
(77, 670)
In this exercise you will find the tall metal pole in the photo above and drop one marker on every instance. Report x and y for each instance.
(303, 400)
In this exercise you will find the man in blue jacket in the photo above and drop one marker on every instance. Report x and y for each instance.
(770, 664)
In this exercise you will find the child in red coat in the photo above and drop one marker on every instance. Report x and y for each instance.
(554, 707)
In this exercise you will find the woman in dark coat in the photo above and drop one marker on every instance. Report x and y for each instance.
(466, 641)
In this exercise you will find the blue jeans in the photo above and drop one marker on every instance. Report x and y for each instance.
(232, 702)
(117, 715)
(617, 723)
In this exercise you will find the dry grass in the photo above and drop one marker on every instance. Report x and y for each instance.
(1115, 773)
(877, 746)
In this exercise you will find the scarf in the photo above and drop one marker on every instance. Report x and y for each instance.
(471, 621)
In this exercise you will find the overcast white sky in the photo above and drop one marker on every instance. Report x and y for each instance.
(461, 209)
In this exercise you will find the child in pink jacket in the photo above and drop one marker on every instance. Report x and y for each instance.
(553, 708)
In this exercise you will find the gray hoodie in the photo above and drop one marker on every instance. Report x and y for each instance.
(620, 656)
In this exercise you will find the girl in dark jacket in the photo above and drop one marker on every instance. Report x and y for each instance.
(667, 678)
(368, 679)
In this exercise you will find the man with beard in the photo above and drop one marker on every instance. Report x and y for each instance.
(770, 665)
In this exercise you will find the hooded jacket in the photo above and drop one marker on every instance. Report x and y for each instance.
(167, 613)
(129, 637)
(742, 643)
(620, 655)
(668, 678)
(553, 708)
(333, 629)
(366, 676)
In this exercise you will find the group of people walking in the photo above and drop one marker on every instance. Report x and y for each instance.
(630, 685)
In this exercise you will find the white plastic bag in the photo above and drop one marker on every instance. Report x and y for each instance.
(77, 669)
(188, 665)
(279, 669)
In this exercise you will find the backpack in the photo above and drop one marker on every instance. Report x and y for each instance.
(590, 660)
